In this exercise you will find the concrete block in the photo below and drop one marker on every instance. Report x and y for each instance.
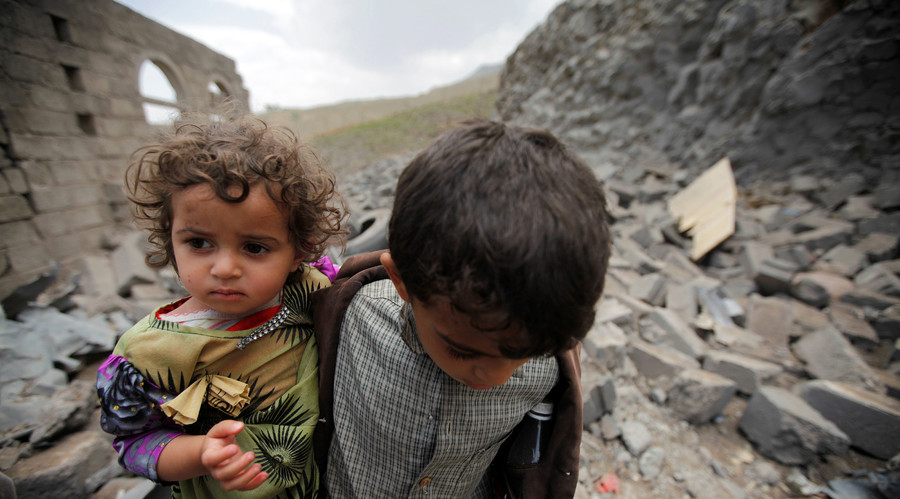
(851, 322)
(129, 265)
(752, 255)
(650, 288)
(682, 299)
(846, 186)
(771, 318)
(612, 310)
(879, 246)
(61, 470)
(774, 275)
(30, 258)
(721, 307)
(15, 234)
(887, 323)
(842, 259)
(748, 373)
(887, 197)
(829, 355)
(736, 336)
(869, 299)
(98, 277)
(14, 207)
(654, 361)
(698, 396)
(808, 317)
(824, 238)
(878, 278)
(859, 208)
(607, 344)
(871, 421)
(637, 257)
(819, 288)
(787, 429)
(679, 334)
(15, 177)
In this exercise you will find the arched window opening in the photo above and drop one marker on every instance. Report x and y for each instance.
(159, 99)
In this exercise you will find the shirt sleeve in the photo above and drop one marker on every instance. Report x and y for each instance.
(129, 405)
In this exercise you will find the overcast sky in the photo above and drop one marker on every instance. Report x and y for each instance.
(306, 53)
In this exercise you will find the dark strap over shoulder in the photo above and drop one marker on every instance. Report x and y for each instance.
(328, 308)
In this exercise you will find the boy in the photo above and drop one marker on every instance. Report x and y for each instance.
(498, 248)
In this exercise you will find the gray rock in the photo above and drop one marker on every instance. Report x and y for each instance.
(872, 421)
(636, 437)
(785, 428)
(698, 396)
(828, 355)
(748, 373)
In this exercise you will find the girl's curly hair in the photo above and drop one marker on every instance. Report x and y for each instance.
(237, 153)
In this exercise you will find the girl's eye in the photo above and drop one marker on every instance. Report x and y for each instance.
(255, 249)
(197, 243)
(456, 354)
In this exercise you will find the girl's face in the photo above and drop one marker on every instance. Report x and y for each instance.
(231, 257)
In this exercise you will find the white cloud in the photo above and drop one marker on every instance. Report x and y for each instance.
(294, 53)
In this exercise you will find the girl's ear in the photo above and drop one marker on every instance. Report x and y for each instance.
(391, 268)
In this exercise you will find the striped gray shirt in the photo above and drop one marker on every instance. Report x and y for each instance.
(403, 427)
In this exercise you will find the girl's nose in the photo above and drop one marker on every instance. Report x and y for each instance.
(225, 266)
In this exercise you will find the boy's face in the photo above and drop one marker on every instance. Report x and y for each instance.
(232, 257)
(466, 353)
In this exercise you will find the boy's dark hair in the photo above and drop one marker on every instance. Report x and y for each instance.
(233, 154)
(508, 220)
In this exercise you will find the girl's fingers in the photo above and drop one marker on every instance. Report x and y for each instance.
(246, 479)
(234, 467)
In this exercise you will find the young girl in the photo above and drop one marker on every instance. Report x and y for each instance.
(218, 391)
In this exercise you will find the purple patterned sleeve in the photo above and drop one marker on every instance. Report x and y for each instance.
(129, 406)
(327, 267)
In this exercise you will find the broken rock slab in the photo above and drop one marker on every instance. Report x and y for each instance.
(748, 373)
(787, 429)
(655, 361)
(829, 355)
(63, 471)
(698, 396)
(872, 421)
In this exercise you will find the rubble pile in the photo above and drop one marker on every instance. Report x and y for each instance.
(770, 367)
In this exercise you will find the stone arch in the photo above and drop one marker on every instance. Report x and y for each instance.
(161, 90)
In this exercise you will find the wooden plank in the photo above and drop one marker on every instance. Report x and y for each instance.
(706, 208)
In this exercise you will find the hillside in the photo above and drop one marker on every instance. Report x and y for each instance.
(317, 121)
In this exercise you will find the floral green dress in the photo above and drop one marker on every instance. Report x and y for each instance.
(164, 380)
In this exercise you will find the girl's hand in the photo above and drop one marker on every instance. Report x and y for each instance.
(223, 458)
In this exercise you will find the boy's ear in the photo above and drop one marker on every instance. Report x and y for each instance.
(391, 268)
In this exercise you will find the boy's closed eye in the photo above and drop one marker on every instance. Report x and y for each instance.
(457, 354)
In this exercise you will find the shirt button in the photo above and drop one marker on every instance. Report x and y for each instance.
(425, 481)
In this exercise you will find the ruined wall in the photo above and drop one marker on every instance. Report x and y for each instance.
(71, 113)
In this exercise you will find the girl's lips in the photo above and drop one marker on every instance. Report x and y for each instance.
(227, 294)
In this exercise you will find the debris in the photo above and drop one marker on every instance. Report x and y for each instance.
(706, 208)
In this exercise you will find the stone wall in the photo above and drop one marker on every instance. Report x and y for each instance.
(71, 113)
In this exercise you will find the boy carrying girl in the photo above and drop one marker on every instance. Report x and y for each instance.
(432, 353)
